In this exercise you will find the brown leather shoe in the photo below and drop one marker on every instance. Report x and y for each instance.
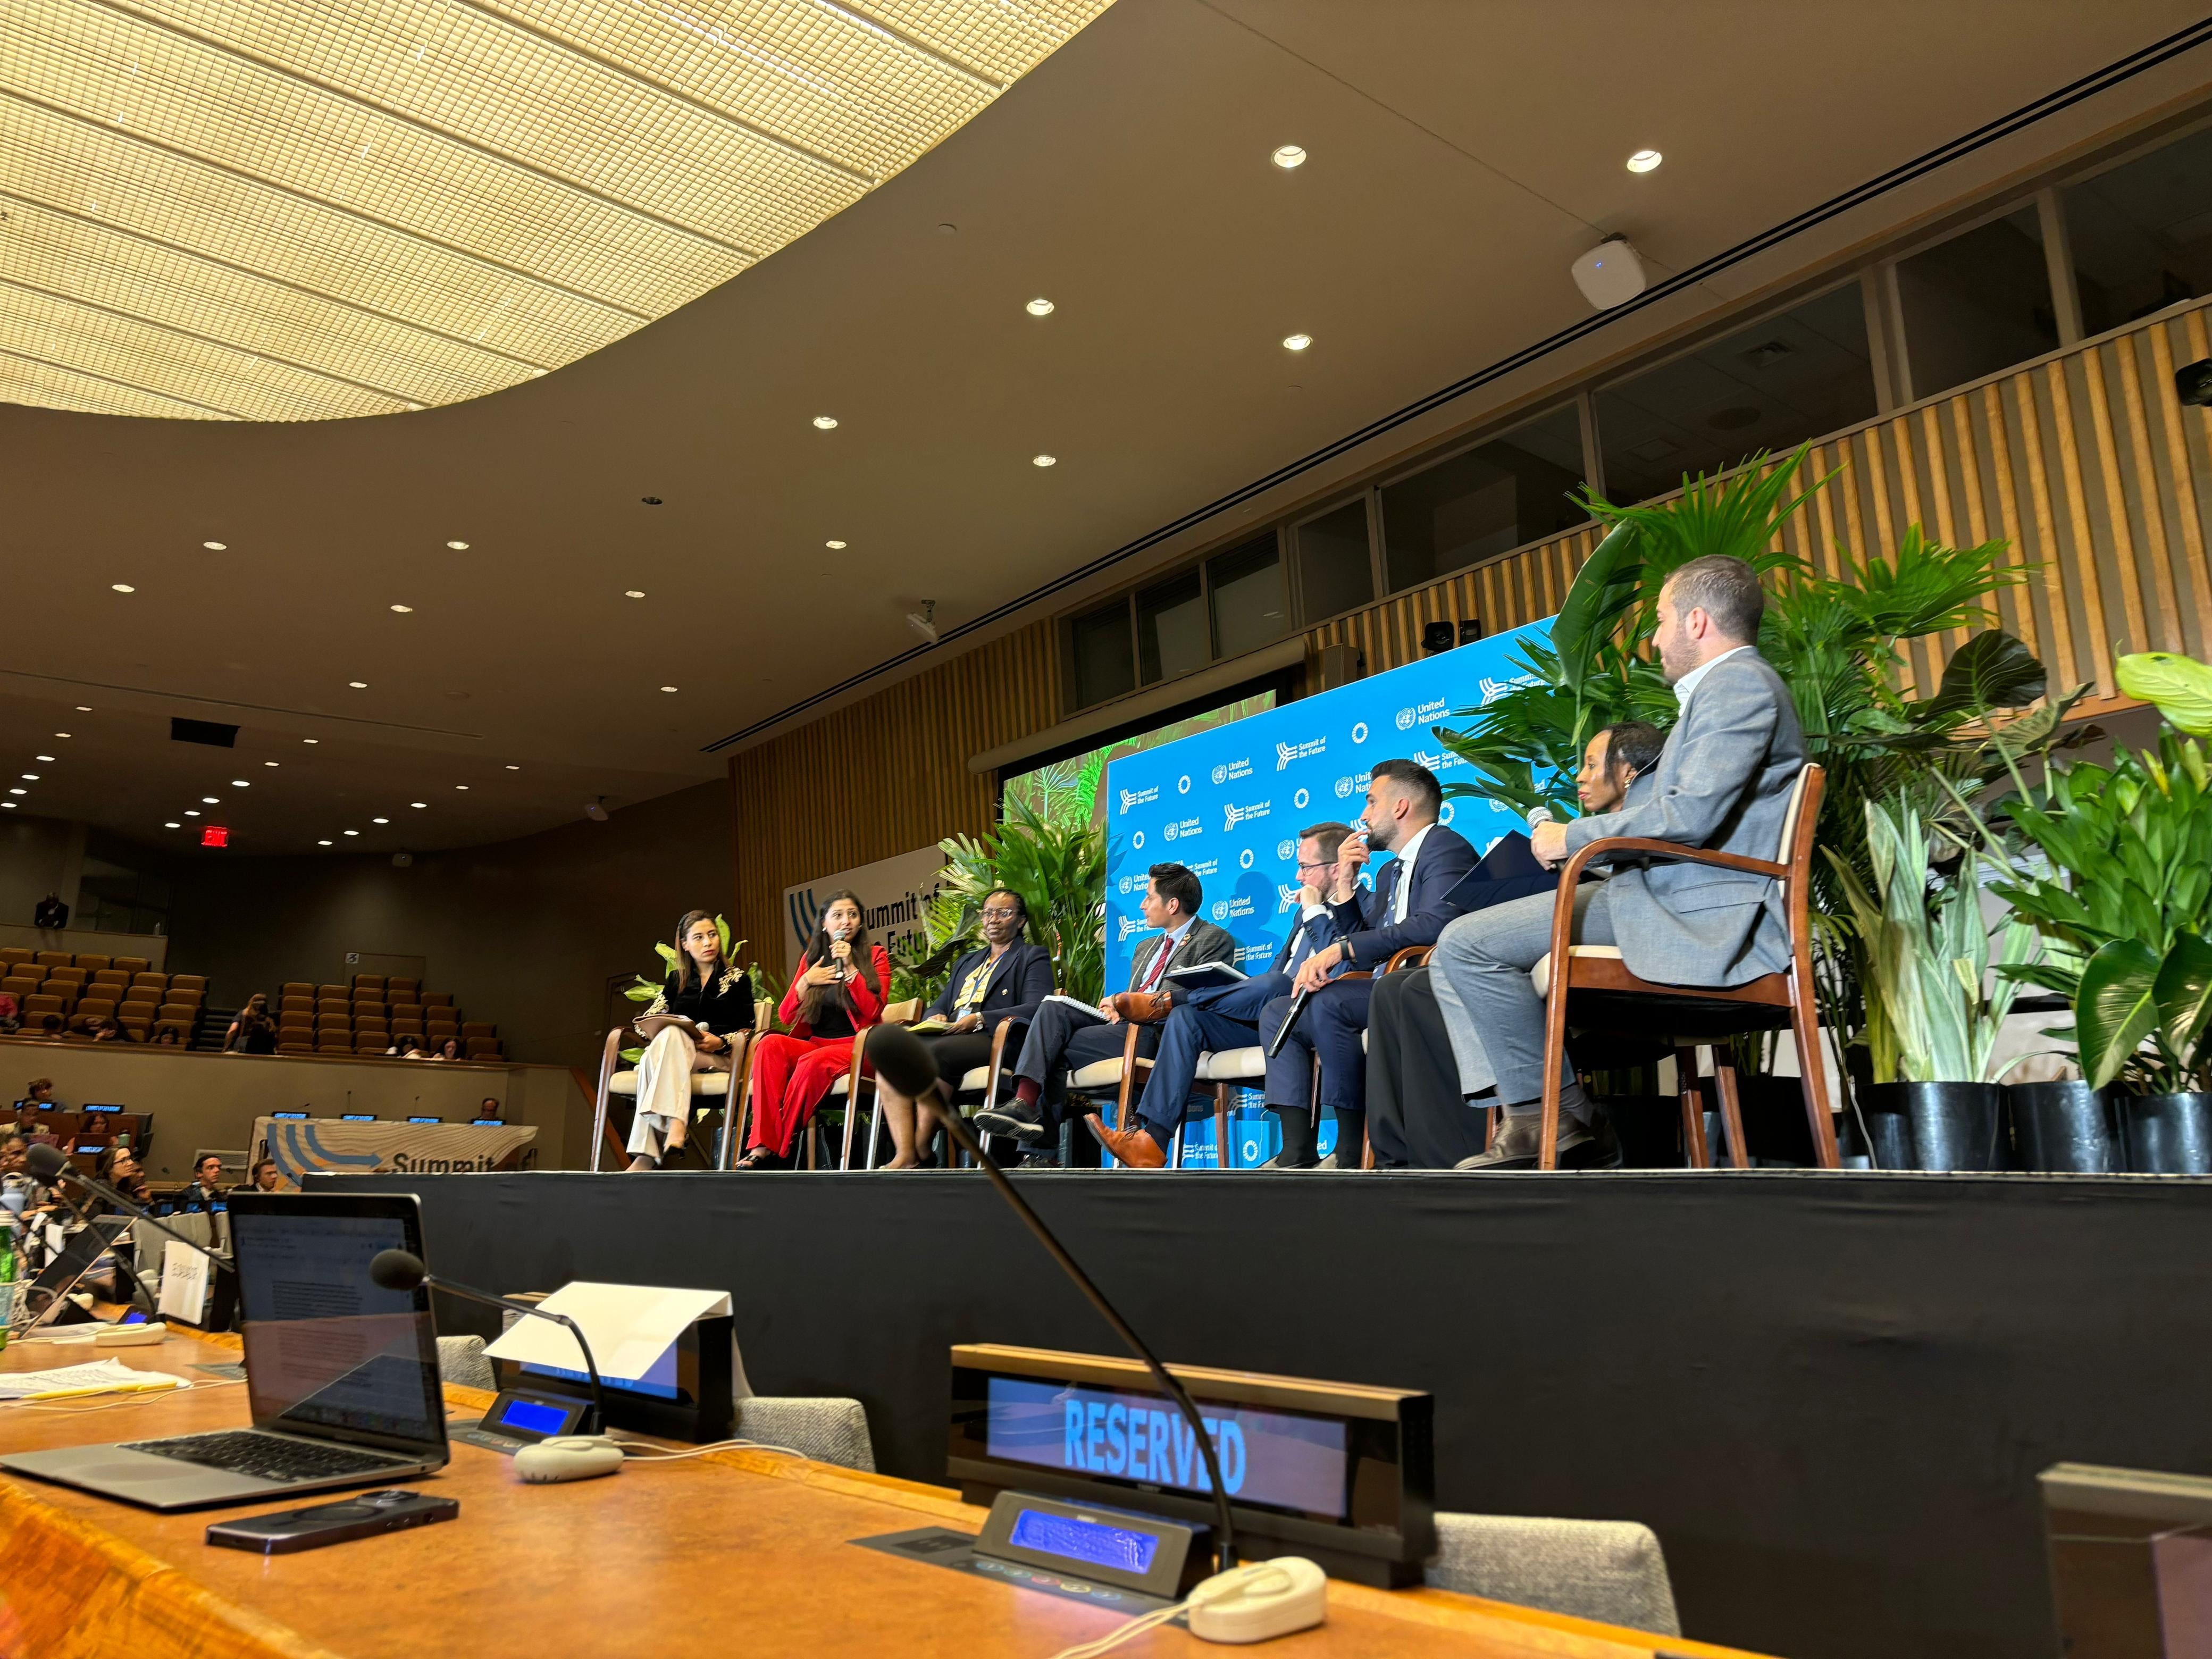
(1133, 1146)
(1142, 1007)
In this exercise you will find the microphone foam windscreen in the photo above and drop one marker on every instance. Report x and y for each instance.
(902, 1060)
(396, 1270)
(45, 1161)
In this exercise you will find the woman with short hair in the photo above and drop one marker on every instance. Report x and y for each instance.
(707, 1003)
(837, 992)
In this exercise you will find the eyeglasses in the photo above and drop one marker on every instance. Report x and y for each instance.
(999, 912)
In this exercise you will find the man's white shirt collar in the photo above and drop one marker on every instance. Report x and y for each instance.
(1399, 897)
(1691, 681)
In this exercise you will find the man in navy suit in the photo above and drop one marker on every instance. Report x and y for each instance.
(1228, 1017)
(1410, 904)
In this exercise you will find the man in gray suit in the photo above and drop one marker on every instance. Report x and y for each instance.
(1723, 781)
(1062, 1039)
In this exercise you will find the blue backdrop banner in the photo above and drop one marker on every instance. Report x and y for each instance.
(1230, 802)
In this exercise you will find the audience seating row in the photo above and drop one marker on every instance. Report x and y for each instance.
(53, 991)
(372, 1015)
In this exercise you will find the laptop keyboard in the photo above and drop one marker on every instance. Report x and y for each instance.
(266, 1456)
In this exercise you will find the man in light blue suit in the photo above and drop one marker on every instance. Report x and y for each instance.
(1723, 780)
(1230, 1016)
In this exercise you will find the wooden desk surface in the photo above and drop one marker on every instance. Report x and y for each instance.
(730, 1552)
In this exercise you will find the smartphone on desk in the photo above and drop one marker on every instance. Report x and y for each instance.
(319, 1524)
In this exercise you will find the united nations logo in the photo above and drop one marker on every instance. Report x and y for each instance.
(1169, 832)
(1405, 719)
(1128, 885)
(1244, 860)
(1343, 787)
(1221, 909)
(1287, 850)
(1182, 784)
(1302, 797)
(1221, 774)
(1359, 733)
(1137, 841)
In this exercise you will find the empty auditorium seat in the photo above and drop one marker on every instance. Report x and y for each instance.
(373, 1005)
(476, 1027)
(16, 956)
(186, 1013)
(43, 1005)
(93, 964)
(132, 964)
(338, 991)
(368, 984)
(297, 988)
(483, 1048)
(437, 999)
(148, 977)
(197, 982)
(375, 1043)
(397, 984)
(292, 1046)
(21, 988)
(53, 959)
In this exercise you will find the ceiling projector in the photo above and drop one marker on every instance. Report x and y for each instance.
(1610, 274)
(923, 621)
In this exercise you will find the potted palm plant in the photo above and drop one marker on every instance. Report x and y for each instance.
(1058, 865)
(1933, 1105)
(2123, 901)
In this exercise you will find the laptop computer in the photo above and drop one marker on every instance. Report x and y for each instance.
(341, 1375)
(43, 1298)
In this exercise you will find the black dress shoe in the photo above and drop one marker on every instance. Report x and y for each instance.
(1039, 1161)
(1017, 1118)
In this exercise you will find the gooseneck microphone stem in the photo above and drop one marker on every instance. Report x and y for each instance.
(402, 1270)
(1225, 1543)
(50, 1167)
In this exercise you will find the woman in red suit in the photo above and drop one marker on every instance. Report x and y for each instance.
(837, 992)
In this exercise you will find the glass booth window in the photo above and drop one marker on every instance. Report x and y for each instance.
(2142, 233)
(1100, 648)
(1799, 375)
(1171, 631)
(1335, 570)
(1250, 609)
(1512, 490)
(1976, 304)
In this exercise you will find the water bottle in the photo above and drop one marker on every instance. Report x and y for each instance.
(7, 1275)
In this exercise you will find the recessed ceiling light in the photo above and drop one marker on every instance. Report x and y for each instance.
(172, 824)
(322, 843)
(633, 592)
(30, 777)
(123, 588)
(668, 688)
(1644, 160)
(380, 820)
(19, 792)
(1044, 460)
(459, 547)
(191, 812)
(45, 757)
(1288, 156)
(302, 740)
(418, 803)
(463, 787)
(210, 800)
(1040, 306)
(212, 547)
(404, 609)
(835, 547)
(351, 832)
(9, 805)
(358, 686)
(82, 709)
(269, 763)
(827, 422)
(61, 734)
(515, 768)
(1297, 342)
(239, 783)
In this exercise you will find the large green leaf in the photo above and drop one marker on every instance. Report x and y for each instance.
(2180, 686)
(1604, 590)
(1992, 670)
(2184, 993)
(2116, 1008)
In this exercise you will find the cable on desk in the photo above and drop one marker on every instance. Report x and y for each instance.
(658, 1456)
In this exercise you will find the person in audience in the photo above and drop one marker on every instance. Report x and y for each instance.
(705, 1002)
(449, 1049)
(16, 1183)
(11, 1018)
(265, 1178)
(837, 992)
(490, 1108)
(166, 1038)
(1006, 980)
(119, 1168)
(1064, 1038)
(1416, 1116)
(1722, 781)
(205, 1188)
(108, 1029)
(253, 1032)
(1232, 1016)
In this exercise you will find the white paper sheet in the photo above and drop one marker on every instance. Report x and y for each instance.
(183, 1283)
(629, 1326)
(95, 1374)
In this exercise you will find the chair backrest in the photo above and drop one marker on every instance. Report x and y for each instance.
(1800, 820)
(461, 1361)
(1609, 1570)
(93, 963)
(188, 982)
(53, 958)
(134, 965)
(829, 1430)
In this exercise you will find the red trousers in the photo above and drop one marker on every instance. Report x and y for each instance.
(792, 1076)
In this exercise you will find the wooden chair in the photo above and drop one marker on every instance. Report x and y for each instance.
(1604, 992)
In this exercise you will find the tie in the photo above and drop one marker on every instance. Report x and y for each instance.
(1398, 891)
(1300, 950)
(1160, 965)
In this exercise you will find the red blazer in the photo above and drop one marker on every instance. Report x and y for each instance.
(868, 1006)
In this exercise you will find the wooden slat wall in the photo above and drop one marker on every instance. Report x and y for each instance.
(2082, 461)
(2041, 456)
(883, 776)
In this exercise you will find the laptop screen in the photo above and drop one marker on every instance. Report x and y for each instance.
(328, 1351)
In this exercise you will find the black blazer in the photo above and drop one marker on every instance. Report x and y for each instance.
(1022, 980)
(725, 1006)
(1362, 920)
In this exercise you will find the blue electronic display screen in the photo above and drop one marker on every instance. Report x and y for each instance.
(1092, 1542)
(1274, 1458)
(533, 1417)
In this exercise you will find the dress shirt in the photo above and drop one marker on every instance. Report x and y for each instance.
(1691, 681)
(1299, 949)
(1168, 947)
(1405, 857)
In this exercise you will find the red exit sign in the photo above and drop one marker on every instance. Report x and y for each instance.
(214, 835)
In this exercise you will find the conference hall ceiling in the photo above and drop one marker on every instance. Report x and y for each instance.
(308, 209)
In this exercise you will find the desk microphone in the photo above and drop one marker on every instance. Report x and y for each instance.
(402, 1270)
(904, 1061)
(49, 1165)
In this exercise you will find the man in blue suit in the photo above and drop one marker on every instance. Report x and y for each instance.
(1409, 906)
(1228, 1017)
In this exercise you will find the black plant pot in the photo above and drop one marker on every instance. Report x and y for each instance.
(2167, 1134)
(2064, 1127)
(1935, 1126)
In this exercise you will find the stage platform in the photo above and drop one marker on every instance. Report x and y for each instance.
(1830, 1394)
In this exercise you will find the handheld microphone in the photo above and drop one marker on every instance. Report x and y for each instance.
(49, 1166)
(904, 1061)
(402, 1270)
(1540, 813)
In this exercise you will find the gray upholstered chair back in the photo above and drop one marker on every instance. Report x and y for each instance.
(1609, 1570)
(827, 1431)
(461, 1359)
